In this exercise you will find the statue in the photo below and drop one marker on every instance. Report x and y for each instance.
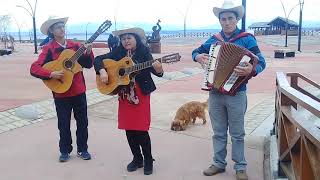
(155, 34)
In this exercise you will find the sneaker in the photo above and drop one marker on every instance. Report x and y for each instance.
(84, 155)
(213, 170)
(134, 165)
(64, 157)
(241, 175)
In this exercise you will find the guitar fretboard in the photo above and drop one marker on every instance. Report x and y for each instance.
(141, 66)
(82, 49)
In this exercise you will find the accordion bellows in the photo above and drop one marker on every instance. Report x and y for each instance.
(223, 58)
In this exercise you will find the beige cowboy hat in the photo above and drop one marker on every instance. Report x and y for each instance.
(138, 31)
(229, 6)
(48, 23)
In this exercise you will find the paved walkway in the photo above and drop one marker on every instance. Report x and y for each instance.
(31, 152)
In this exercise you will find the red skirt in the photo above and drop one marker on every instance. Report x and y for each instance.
(135, 116)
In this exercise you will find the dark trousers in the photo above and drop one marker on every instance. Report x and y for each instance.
(64, 106)
(137, 139)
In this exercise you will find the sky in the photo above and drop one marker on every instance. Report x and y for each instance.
(170, 12)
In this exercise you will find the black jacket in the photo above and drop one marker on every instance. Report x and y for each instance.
(143, 78)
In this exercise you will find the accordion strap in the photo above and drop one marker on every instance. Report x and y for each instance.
(219, 37)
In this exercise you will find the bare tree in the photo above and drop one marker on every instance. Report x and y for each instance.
(19, 27)
(5, 21)
(32, 12)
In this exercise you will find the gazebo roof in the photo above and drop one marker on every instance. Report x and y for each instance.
(260, 25)
(282, 20)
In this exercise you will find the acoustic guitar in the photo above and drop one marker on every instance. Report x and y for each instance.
(120, 72)
(68, 62)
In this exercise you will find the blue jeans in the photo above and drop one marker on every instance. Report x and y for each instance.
(228, 111)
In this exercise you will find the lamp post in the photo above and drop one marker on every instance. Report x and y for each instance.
(243, 21)
(19, 28)
(87, 31)
(117, 4)
(287, 19)
(32, 13)
(185, 18)
(301, 3)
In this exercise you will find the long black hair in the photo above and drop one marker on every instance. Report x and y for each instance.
(141, 48)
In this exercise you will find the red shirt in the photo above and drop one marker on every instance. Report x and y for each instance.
(51, 52)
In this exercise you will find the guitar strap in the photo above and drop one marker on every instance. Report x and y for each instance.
(129, 91)
(219, 37)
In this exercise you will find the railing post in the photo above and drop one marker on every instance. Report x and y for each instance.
(294, 84)
(294, 81)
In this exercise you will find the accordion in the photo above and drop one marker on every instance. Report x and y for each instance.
(219, 73)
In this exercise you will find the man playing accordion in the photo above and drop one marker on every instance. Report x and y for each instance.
(227, 111)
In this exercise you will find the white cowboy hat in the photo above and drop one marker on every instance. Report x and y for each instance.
(138, 31)
(48, 23)
(229, 6)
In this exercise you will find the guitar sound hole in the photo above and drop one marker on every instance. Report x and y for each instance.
(68, 64)
(121, 72)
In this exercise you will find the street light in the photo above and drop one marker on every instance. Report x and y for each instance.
(287, 18)
(243, 21)
(32, 13)
(185, 18)
(19, 28)
(117, 4)
(300, 24)
(87, 30)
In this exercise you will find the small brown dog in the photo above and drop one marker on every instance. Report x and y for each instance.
(188, 111)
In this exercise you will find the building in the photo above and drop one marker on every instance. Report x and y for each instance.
(275, 26)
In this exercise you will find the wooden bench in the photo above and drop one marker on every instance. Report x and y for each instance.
(281, 53)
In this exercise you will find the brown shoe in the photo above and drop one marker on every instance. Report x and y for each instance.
(241, 175)
(212, 170)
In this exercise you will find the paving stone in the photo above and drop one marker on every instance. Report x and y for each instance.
(4, 128)
(18, 124)
(10, 126)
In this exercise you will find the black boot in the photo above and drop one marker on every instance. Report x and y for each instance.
(135, 164)
(148, 167)
(145, 142)
(137, 161)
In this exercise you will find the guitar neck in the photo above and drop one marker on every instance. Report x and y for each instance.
(141, 66)
(82, 48)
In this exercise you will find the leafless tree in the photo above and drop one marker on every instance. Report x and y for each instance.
(5, 21)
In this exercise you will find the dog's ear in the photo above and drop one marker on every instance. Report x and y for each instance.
(172, 124)
(175, 125)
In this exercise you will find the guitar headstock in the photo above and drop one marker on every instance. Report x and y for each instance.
(104, 26)
(171, 58)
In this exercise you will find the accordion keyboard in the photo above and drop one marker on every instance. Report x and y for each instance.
(210, 68)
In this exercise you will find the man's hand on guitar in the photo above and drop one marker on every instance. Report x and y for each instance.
(202, 59)
(158, 67)
(244, 71)
(57, 74)
(103, 76)
(88, 48)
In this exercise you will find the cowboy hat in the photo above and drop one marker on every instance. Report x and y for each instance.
(48, 23)
(229, 6)
(138, 31)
